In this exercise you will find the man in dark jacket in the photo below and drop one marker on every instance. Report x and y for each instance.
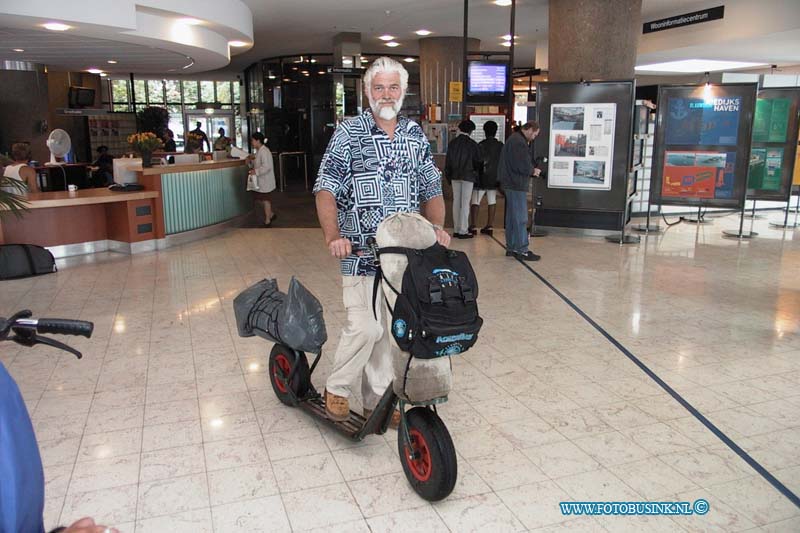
(461, 168)
(487, 183)
(514, 172)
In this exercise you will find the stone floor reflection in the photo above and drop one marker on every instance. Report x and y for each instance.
(169, 423)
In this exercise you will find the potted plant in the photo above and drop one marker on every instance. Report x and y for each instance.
(12, 196)
(144, 144)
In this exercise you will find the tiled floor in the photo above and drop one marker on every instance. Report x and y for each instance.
(169, 423)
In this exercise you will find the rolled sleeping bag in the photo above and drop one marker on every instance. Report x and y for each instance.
(427, 378)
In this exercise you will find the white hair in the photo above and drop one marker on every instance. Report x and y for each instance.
(388, 65)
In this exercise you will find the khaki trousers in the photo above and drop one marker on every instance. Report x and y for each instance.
(364, 346)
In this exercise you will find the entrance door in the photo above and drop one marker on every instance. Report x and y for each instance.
(210, 124)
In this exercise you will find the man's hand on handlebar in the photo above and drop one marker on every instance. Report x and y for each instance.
(340, 248)
(442, 237)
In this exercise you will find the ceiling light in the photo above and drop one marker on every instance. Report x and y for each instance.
(18, 50)
(320, 72)
(271, 76)
(238, 44)
(386, 38)
(409, 60)
(392, 44)
(506, 43)
(103, 74)
(696, 65)
(190, 21)
(502, 3)
(93, 70)
(347, 61)
(209, 111)
(56, 26)
(423, 33)
(507, 37)
(312, 60)
(112, 62)
(286, 79)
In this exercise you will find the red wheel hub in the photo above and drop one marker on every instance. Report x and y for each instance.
(421, 466)
(283, 367)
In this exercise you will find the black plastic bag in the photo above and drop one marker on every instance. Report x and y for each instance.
(294, 319)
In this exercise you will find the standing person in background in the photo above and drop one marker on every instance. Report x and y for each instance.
(103, 168)
(200, 133)
(222, 142)
(265, 174)
(169, 141)
(461, 168)
(19, 169)
(514, 172)
(490, 149)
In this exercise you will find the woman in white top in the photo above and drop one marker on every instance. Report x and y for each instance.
(19, 169)
(265, 174)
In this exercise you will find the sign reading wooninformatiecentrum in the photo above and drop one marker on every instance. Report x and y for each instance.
(687, 19)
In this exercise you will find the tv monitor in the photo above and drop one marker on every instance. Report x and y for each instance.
(81, 97)
(487, 79)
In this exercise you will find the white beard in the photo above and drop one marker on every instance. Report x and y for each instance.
(386, 112)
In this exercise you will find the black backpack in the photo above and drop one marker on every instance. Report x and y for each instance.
(23, 260)
(436, 314)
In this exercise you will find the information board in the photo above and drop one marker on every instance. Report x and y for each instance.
(702, 144)
(774, 145)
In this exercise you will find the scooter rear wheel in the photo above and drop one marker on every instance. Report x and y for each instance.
(433, 470)
(281, 361)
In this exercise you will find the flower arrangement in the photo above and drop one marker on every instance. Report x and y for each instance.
(192, 142)
(144, 142)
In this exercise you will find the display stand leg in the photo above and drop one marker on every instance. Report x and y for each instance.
(700, 219)
(535, 232)
(786, 224)
(741, 234)
(646, 227)
(752, 214)
(622, 238)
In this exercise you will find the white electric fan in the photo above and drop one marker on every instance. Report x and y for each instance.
(59, 144)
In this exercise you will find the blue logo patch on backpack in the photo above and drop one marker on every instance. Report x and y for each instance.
(399, 328)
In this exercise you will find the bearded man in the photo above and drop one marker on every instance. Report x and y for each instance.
(375, 165)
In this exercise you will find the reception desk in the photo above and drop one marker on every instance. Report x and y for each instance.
(179, 203)
(85, 221)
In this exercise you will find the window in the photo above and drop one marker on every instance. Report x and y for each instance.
(236, 92)
(207, 91)
(190, 92)
(155, 92)
(119, 91)
(173, 90)
(140, 91)
(224, 92)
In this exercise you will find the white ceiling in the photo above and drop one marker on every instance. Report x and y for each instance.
(284, 27)
(64, 51)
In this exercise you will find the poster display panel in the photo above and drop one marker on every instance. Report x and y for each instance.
(774, 145)
(581, 145)
(702, 146)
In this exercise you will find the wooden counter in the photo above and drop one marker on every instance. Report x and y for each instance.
(96, 219)
(40, 200)
(205, 165)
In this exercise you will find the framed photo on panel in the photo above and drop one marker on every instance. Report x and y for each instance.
(701, 151)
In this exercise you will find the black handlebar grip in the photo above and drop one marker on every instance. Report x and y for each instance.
(65, 327)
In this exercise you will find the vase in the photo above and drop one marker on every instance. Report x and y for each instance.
(147, 158)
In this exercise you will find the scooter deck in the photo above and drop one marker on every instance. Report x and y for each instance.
(350, 427)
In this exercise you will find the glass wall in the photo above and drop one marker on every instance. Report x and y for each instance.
(180, 97)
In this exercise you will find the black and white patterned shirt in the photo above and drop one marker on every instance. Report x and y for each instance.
(372, 177)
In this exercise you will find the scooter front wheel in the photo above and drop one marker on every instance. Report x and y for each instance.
(281, 362)
(429, 459)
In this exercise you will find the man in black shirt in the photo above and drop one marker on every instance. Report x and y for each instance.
(202, 134)
(490, 149)
(461, 168)
(514, 172)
